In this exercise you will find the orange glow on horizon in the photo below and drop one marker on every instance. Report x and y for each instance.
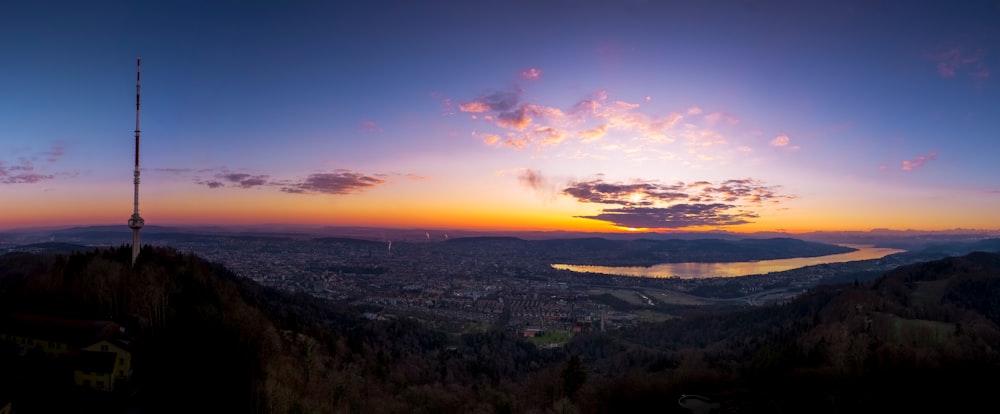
(491, 212)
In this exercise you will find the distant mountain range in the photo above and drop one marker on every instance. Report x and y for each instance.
(903, 239)
(575, 250)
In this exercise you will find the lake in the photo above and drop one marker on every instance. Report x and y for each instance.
(733, 269)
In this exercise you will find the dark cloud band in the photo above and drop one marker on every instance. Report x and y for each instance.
(652, 204)
(675, 216)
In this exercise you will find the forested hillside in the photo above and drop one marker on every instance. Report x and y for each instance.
(205, 340)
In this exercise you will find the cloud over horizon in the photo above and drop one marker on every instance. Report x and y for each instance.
(241, 180)
(651, 204)
(340, 181)
(675, 216)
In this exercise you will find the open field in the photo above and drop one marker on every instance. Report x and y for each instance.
(667, 297)
(555, 337)
(671, 297)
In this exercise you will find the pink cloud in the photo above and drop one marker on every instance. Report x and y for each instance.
(626, 105)
(918, 162)
(490, 139)
(517, 143)
(518, 119)
(665, 122)
(509, 140)
(595, 134)
(477, 107)
(549, 135)
(532, 74)
(780, 141)
(718, 116)
(520, 124)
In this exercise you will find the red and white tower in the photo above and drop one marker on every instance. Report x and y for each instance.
(136, 222)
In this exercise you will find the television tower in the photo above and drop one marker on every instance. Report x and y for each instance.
(136, 222)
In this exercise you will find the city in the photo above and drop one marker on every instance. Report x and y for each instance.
(474, 283)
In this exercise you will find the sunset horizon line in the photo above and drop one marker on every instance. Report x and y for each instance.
(264, 226)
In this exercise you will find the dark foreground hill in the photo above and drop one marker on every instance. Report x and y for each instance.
(203, 340)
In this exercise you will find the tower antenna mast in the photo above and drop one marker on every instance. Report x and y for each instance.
(136, 222)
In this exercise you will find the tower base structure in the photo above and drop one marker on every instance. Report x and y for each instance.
(135, 223)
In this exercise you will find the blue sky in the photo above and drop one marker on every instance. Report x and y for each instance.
(554, 114)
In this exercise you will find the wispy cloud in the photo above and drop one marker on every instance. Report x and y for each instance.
(783, 141)
(369, 126)
(598, 122)
(246, 180)
(531, 178)
(910, 165)
(531, 74)
(21, 174)
(169, 170)
(32, 169)
(957, 60)
(341, 181)
(54, 154)
(231, 179)
(716, 117)
(524, 125)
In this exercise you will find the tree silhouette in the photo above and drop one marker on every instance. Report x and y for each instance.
(574, 374)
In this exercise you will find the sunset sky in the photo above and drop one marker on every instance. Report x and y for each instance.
(506, 115)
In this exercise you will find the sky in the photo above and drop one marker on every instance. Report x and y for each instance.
(574, 115)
